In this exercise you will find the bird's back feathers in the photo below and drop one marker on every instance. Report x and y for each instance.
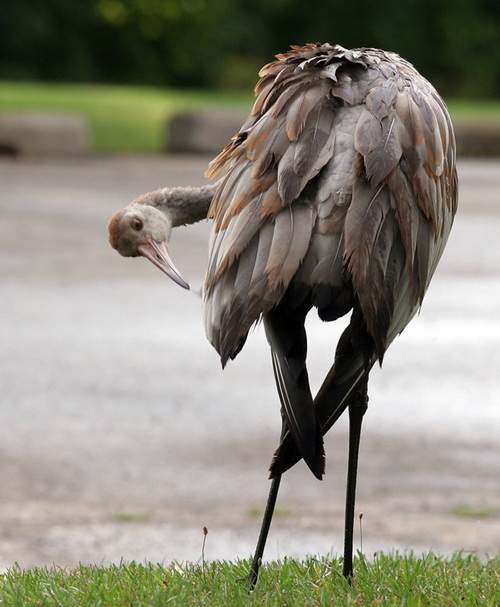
(342, 179)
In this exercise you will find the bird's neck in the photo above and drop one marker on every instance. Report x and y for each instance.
(182, 205)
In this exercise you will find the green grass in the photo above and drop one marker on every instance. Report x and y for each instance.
(132, 517)
(386, 581)
(476, 111)
(478, 512)
(121, 118)
(132, 119)
(258, 512)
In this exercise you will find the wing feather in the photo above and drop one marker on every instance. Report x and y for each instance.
(403, 202)
(389, 219)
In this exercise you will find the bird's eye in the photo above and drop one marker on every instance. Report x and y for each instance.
(137, 223)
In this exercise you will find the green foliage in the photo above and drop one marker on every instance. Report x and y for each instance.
(387, 580)
(456, 43)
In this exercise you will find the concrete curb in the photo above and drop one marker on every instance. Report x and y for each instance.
(477, 139)
(208, 131)
(204, 131)
(43, 134)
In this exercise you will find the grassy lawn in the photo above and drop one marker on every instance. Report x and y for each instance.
(132, 119)
(121, 118)
(386, 581)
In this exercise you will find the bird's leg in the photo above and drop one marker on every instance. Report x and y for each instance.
(266, 520)
(264, 530)
(357, 409)
(286, 335)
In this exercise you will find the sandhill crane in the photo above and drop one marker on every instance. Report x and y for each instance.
(338, 193)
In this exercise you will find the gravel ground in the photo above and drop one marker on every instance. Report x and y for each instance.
(121, 437)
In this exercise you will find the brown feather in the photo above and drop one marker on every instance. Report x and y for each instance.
(317, 108)
(271, 202)
(299, 110)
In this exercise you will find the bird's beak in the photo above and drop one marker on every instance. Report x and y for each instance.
(157, 253)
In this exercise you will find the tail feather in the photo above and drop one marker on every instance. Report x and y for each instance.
(287, 337)
(345, 382)
(297, 405)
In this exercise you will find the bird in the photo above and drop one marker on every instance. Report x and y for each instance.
(338, 193)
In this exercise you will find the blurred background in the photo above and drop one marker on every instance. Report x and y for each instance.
(120, 437)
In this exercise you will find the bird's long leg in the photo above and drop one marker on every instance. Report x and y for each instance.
(287, 337)
(345, 386)
(264, 530)
(266, 519)
(357, 409)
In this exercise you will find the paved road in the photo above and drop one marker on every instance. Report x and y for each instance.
(121, 437)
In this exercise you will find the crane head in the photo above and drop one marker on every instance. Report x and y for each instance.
(142, 230)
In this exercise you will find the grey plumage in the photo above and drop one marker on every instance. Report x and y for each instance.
(183, 205)
(339, 190)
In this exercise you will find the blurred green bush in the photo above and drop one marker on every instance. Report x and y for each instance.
(197, 43)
